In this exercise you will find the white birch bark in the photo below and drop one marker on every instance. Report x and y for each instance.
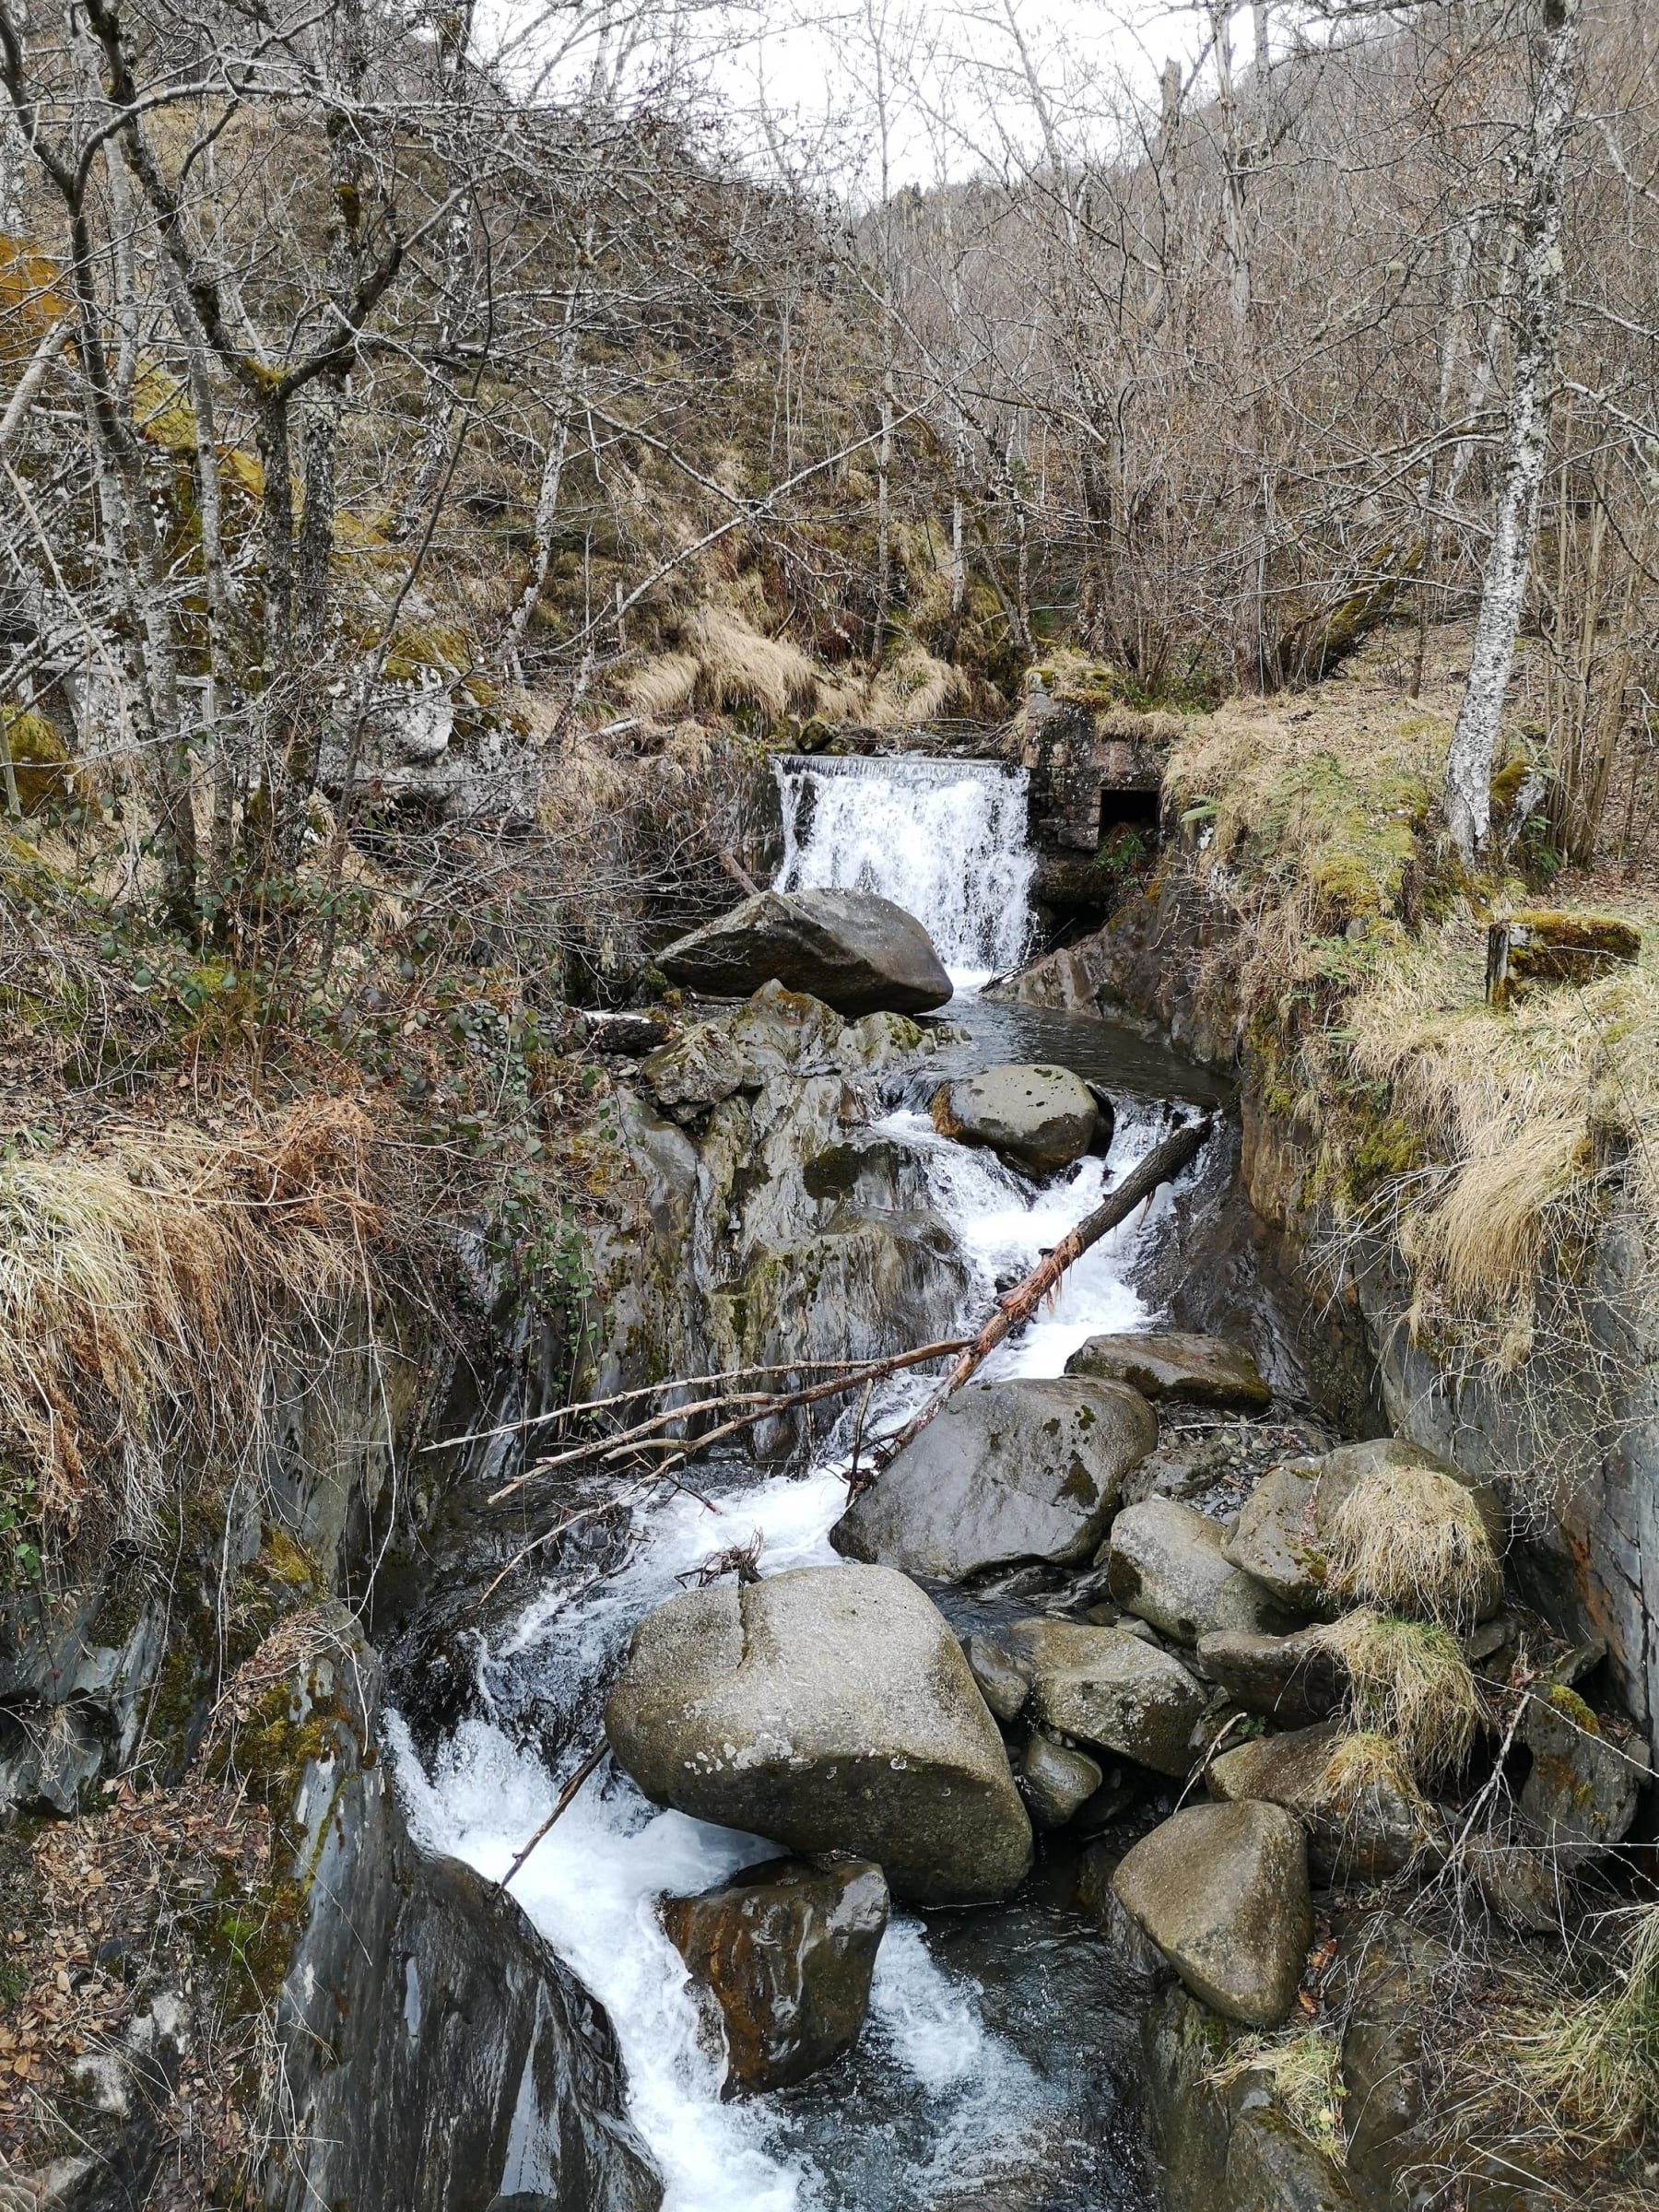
(1503, 591)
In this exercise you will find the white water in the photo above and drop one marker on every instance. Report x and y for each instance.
(593, 1884)
(946, 840)
(950, 2105)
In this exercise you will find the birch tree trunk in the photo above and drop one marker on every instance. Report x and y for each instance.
(1542, 296)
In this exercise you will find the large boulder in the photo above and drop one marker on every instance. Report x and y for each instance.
(1165, 1563)
(1188, 1371)
(831, 1708)
(1006, 1471)
(1222, 1890)
(1294, 1680)
(857, 952)
(1111, 1689)
(1041, 1118)
(785, 1951)
(1287, 1534)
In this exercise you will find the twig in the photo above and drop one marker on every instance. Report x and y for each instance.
(567, 1797)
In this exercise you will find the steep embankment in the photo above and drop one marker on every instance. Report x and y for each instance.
(1477, 1186)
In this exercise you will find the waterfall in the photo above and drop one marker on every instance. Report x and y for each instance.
(946, 840)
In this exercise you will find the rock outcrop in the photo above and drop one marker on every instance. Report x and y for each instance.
(1222, 1890)
(1006, 1471)
(785, 1951)
(1185, 1369)
(857, 952)
(831, 1708)
(1036, 1118)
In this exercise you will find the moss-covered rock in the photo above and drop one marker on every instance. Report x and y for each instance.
(1537, 947)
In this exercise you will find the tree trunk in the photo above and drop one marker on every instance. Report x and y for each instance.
(1503, 591)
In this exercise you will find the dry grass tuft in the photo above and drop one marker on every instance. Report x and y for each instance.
(138, 1292)
(1411, 1540)
(1595, 2060)
(1409, 1682)
(1359, 1766)
(1302, 2072)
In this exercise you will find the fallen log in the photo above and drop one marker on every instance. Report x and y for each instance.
(1160, 1165)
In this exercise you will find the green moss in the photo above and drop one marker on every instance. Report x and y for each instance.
(1571, 1707)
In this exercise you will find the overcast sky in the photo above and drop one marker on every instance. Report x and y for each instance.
(804, 83)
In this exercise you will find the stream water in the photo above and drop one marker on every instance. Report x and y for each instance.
(998, 2069)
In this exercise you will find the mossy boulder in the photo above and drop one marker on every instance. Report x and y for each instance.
(1038, 1118)
(855, 950)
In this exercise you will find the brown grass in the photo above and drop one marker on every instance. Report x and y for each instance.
(1410, 1540)
(139, 1290)
(1409, 1682)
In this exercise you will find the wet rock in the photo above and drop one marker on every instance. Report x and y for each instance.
(1529, 1886)
(1039, 1118)
(857, 952)
(1007, 1471)
(1110, 1689)
(786, 1950)
(1004, 1682)
(1271, 2167)
(1183, 2043)
(1285, 1533)
(435, 2049)
(1581, 1789)
(1189, 1370)
(1392, 1968)
(1371, 1827)
(1165, 1563)
(1291, 1679)
(831, 1708)
(1057, 1780)
(776, 1032)
(1222, 1890)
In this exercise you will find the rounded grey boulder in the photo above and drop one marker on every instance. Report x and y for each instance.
(1189, 1370)
(831, 1708)
(857, 952)
(1041, 1118)
(1006, 1471)
(1108, 1688)
(1167, 1565)
(1222, 1890)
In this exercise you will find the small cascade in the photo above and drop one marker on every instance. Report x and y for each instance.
(946, 840)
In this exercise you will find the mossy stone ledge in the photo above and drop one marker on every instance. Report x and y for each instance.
(1540, 946)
